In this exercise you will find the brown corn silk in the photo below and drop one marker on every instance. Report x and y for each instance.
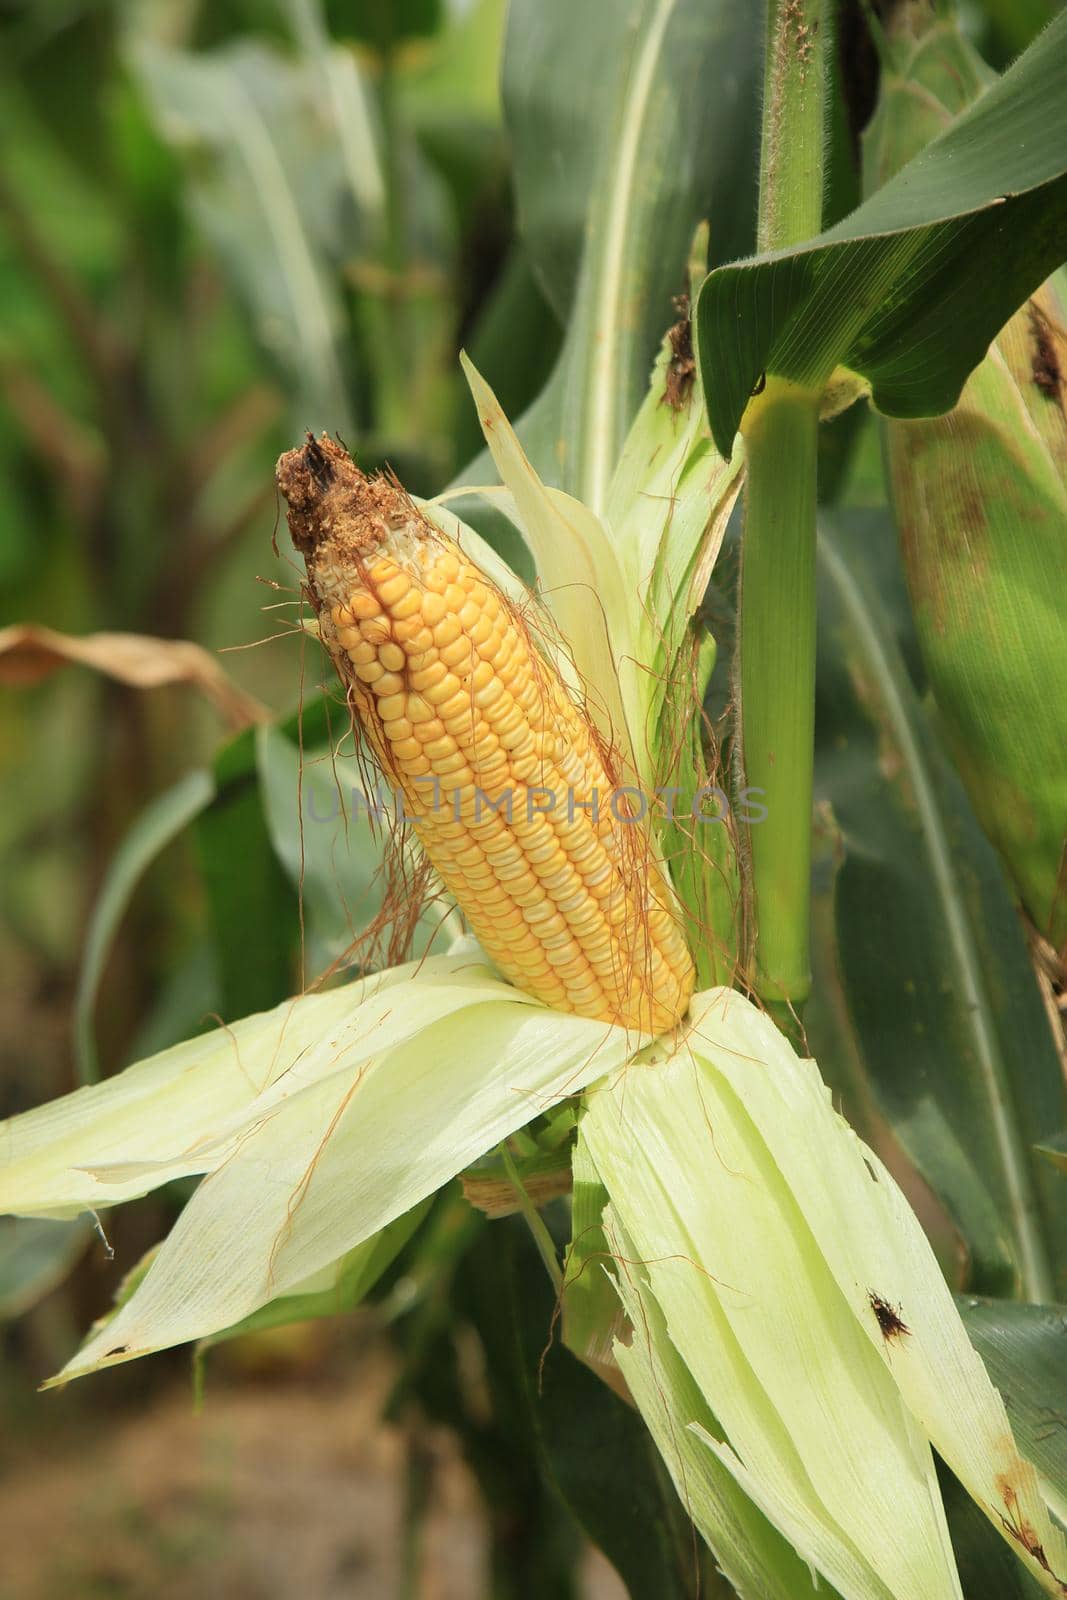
(507, 786)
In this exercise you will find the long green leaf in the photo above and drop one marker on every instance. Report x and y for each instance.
(980, 502)
(1025, 1349)
(35, 1255)
(159, 823)
(911, 287)
(594, 1449)
(268, 142)
(317, 814)
(630, 123)
(254, 911)
(923, 974)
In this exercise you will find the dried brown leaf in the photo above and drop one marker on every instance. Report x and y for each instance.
(30, 652)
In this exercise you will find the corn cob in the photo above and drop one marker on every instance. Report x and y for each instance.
(499, 771)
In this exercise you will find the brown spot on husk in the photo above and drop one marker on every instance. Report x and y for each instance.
(1045, 363)
(681, 369)
(1016, 1527)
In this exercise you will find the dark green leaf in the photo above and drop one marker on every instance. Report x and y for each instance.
(316, 808)
(384, 24)
(988, 1568)
(926, 1013)
(514, 345)
(253, 907)
(1025, 1349)
(329, 825)
(464, 1370)
(162, 820)
(35, 1256)
(1055, 1150)
(1010, 25)
(596, 1450)
(912, 286)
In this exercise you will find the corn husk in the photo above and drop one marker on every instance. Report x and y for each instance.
(759, 1242)
(316, 1126)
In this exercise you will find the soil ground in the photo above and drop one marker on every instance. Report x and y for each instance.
(284, 1487)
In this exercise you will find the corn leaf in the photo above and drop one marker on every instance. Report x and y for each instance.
(926, 1016)
(1024, 1348)
(670, 501)
(592, 1316)
(35, 1256)
(30, 652)
(162, 820)
(582, 580)
(980, 503)
(329, 826)
(253, 127)
(758, 1561)
(590, 1446)
(158, 1119)
(988, 1569)
(630, 123)
(339, 1287)
(911, 287)
(253, 907)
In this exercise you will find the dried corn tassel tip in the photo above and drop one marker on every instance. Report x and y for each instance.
(509, 791)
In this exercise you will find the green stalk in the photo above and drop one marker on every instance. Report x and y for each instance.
(777, 677)
(534, 1221)
(384, 286)
(795, 76)
(394, 374)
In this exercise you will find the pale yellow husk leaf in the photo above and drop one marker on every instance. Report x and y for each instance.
(766, 1233)
(348, 1139)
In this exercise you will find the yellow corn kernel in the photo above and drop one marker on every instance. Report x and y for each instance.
(392, 657)
(571, 906)
(434, 609)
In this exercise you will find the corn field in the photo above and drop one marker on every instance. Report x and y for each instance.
(534, 844)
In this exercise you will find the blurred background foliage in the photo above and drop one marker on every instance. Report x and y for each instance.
(222, 224)
(219, 226)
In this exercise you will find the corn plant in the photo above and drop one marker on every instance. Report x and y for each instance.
(693, 900)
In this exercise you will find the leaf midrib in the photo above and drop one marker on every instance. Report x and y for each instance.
(601, 399)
